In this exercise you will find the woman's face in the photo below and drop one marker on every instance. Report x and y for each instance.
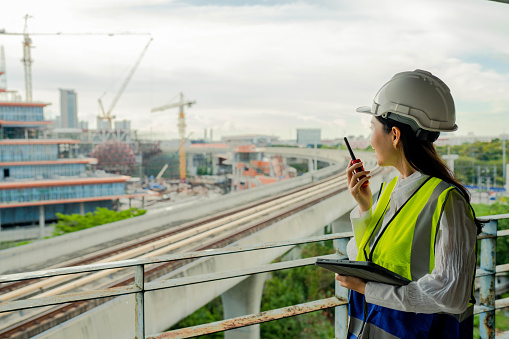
(382, 143)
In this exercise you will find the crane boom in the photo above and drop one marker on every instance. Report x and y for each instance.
(129, 76)
(4, 32)
(101, 106)
(27, 46)
(178, 104)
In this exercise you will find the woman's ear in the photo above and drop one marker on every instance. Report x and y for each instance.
(396, 136)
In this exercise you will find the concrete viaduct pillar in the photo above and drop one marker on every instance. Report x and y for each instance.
(311, 166)
(242, 299)
(41, 221)
(342, 224)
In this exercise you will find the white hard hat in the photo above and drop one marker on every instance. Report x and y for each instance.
(419, 96)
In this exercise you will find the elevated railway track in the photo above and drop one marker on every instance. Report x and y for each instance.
(211, 232)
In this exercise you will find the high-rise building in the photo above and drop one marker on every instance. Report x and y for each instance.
(102, 124)
(124, 125)
(68, 108)
(309, 136)
(83, 125)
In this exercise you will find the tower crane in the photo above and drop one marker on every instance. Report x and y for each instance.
(182, 131)
(3, 81)
(27, 46)
(106, 115)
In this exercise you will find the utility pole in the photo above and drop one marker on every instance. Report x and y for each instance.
(473, 165)
(494, 175)
(504, 170)
(479, 178)
(450, 159)
(316, 160)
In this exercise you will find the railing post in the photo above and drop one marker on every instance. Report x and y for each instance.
(487, 290)
(341, 312)
(139, 273)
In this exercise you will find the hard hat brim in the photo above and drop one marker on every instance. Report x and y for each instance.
(365, 109)
(368, 110)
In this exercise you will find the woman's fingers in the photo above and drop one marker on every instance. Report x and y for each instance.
(350, 172)
(358, 186)
(352, 283)
(349, 175)
(357, 178)
(358, 175)
(351, 167)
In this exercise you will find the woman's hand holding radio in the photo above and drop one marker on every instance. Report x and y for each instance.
(361, 193)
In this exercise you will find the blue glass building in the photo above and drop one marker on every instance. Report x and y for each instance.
(40, 177)
(68, 109)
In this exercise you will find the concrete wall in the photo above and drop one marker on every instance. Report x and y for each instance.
(24, 232)
(326, 155)
(166, 307)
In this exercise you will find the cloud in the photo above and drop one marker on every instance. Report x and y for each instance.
(261, 66)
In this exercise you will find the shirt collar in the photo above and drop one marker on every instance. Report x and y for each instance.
(404, 188)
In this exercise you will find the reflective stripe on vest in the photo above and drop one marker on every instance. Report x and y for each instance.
(405, 246)
(369, 331)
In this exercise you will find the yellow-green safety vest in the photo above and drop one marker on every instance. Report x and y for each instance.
(405, 246)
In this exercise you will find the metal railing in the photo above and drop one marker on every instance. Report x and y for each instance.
(488, 268)
(486, 306)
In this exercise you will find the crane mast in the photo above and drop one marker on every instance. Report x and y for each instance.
(3, 80)
(182, 148)
(182, 132)
(27, 60)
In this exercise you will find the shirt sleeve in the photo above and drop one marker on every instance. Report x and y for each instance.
(448, 287)
(359, 225)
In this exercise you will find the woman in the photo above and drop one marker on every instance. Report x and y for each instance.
(422, 225)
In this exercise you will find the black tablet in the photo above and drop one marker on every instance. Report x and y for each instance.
(362, 269)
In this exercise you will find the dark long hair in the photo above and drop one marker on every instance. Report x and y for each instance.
(423, 157)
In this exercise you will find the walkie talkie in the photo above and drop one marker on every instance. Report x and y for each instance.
(354, 161)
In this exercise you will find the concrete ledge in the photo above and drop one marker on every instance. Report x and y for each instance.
(24, 233)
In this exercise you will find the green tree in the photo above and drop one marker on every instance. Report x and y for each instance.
(486, 155)
(296, 286)
(68, 223)
(301, 168)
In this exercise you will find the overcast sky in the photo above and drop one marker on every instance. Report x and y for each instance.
(266, 67)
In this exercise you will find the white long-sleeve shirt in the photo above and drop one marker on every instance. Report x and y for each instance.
(448, 287)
